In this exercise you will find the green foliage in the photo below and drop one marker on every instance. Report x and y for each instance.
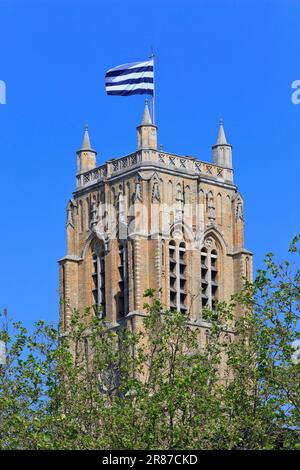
(158, 387)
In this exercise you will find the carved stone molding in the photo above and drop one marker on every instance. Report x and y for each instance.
(155, 188)
(138, 193)
(70, 218)
(239, 210)
(211, 208)
(94, 211)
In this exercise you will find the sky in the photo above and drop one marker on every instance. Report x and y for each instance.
(230, 59)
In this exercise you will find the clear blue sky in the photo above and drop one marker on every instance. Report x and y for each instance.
(235, 59)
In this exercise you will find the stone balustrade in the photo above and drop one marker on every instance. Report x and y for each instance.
(91, 177)
(183, 164)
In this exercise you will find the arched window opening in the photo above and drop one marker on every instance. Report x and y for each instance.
(182, 278)
(204, 275)
(122, 301)
(87, 214)
(173, 277)
(209, 274)
(170, 193)
(187, 194)
(214, 277)
(201, 197)
(177, 273)
(247, 268)
(219, 209)
(80, 216)
(98, 278)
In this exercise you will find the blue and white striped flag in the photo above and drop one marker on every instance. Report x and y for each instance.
(130, 79)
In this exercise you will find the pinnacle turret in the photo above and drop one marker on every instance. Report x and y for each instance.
(221, 135)
(86, 144)
(146, 116)
(222, 151)
(86, 155)
(147, 131)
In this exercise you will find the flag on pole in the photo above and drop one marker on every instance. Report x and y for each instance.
(131, 79)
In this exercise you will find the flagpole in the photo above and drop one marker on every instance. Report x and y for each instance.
(153, 96)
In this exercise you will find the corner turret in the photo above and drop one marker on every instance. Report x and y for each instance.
(147, 132)
(222, 151)
(86, 156)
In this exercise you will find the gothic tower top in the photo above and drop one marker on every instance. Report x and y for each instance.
(153, 219)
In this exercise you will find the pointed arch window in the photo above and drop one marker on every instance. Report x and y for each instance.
(209, 273)
(177, 276)
(170, 193)
(173, 277)
(187, 195)
(182, 277)
(219, 209)
(123, 296)
(201, 197)
(98, 278)
(247, 268)
(80, 215)
(87, 214)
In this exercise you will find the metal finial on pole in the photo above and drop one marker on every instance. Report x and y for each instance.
(153, 95)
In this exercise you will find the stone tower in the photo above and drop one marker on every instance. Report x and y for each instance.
(153, 219)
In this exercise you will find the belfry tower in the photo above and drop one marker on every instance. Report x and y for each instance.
(153, 219)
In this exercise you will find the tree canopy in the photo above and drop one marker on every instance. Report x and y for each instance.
(104, 387)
